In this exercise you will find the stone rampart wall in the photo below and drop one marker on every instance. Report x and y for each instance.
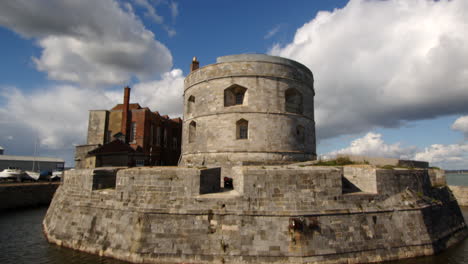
(15, 196)
(398, 180)
(370, 179)
(275, 214)
(437, 177)
(461, 193)
(363, 178)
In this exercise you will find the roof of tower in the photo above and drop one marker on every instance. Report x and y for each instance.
(261, 57)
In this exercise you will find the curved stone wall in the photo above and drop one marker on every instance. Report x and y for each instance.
(211, 115)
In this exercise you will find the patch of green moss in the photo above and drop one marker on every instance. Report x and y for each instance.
(388, 167)
(340, 161)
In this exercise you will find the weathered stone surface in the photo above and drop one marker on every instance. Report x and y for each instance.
(274, 133)
(461, 193)
(14, 196)
(274, 214)
(244, 120)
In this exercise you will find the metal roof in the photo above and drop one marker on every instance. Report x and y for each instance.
(30, 158)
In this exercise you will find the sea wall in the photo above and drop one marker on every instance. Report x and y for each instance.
(21, 195)
(274, 214)
(461, 193)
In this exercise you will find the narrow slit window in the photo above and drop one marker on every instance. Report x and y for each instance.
(192, 132)
(191, 104)
(242, 129)
(133, 132)
(300, 134)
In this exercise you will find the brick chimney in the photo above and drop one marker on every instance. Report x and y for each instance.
(125, 113)
(195, 64)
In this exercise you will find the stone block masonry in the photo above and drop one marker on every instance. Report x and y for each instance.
(22, 195)
(265, 95)
(274, 214)
(461, 193)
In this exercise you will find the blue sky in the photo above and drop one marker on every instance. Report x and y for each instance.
(390, 75)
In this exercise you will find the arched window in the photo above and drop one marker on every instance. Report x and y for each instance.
(234, 95)
(190, 104)
(293, 101)
(242, 129)
(192, 132)
(300, 136)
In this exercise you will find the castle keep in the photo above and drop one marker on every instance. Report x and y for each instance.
(249, 107)
(250, 117)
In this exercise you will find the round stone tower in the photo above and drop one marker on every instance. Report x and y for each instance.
(248, 108)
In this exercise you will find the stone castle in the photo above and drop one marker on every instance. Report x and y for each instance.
(247, 189)
(248, 108)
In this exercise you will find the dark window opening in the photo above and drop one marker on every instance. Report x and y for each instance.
(234, 95)
(242, 129)
(192, 132)
(293, 101)
(300, 134)
(191, 104)
(228, 183)
(133, 132)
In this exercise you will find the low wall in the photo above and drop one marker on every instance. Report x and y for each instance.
(461, 193)
(21, 195)
(274, 214)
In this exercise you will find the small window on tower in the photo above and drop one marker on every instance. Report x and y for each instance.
(234, 95)
(192, 132)
(293, 101)
(300, 134)
(242, 129)
(190, 104)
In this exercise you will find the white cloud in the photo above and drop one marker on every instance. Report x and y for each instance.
(382, 63)
(163, 95)
(373, 145)
(461, 124)
(150, 11)
(89, 42)
(272, 32)
(58, 115)
(174, 6)
(454, 156)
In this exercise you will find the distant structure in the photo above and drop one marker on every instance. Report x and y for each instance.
(248, 108)
(30, 162)
(129, 135)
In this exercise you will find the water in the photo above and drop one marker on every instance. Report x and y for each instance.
(22, 241)
(457, 179)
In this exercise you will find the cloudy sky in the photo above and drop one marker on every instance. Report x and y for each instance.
(391, 76)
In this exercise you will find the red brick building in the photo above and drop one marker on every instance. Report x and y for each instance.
(155, 139)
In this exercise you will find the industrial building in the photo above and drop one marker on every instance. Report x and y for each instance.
(30, 162)
(130, 135)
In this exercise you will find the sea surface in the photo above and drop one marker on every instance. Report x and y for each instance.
(457, 179)
(22, 241)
